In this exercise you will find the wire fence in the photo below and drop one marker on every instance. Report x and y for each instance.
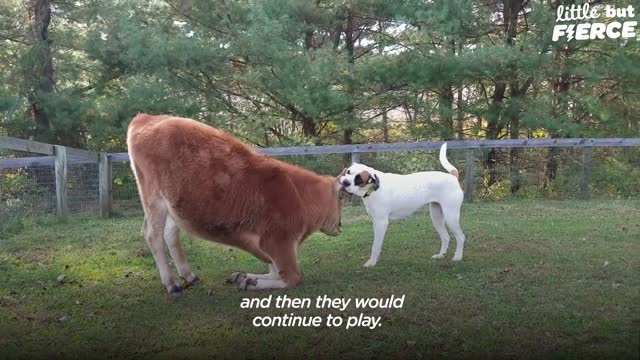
(498, 173)
(533, 173)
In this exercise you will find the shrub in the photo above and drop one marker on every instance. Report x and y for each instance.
(615, 178)
(499, 190)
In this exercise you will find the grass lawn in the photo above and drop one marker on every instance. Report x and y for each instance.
(539, 278)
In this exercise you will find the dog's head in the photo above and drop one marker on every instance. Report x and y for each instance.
(359, 180)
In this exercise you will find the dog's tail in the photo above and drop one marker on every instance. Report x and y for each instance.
(445, 163)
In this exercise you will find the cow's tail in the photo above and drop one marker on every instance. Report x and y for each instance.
(445, 163)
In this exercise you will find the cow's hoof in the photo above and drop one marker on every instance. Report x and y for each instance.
(236, 278)
(438, 256)
(195, 281)
(175, 291)
(247, 282)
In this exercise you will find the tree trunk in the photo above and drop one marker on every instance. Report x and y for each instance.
(510, 11)
(460, 118)
(561, 89)
(513, 114)
(336, 37)
(493, 129)
(308, 124)
(446, 112)
(349, 45)
(42, 76)
(385, 126)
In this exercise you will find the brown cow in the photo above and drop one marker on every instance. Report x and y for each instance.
(193, 177)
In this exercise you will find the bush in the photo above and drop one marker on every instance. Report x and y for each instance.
(499, 190)
(16, 184)
(615, 178)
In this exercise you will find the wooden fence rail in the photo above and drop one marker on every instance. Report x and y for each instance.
(61, 157)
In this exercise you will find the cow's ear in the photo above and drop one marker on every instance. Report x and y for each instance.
(376, 181)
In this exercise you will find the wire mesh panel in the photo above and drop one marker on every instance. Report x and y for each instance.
(501, 173)
(615, 172)
(27, 191)
(497, 174)
(555, 173)
(331, 164)
(124, 193)
(82, 189)
(406, 162)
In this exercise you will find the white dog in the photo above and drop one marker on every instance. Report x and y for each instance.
(389, 196)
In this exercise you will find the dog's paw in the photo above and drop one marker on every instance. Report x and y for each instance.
(236, 278)
(248, 284)
(370, 263)
(457, 258)
(438, 256)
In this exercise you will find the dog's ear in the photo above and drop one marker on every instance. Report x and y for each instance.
(343, 173)
(363, 178)
(376, 181)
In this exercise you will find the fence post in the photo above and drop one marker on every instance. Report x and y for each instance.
(61, 180)
(110, 186)
(586, 172)
(103, 183)
(355, 158)
(469, 174)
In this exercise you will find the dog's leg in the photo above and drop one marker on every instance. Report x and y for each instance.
(437, 218)
(238, 277)
(452, 218)
(285, 258)
(379, 230)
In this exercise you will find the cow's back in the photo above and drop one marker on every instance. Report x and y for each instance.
(214, 185)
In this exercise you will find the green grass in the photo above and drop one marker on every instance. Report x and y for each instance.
(533, 283)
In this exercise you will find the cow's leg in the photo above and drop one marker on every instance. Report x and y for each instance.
(144, 225)
(286, 262)
(172, 238)
(154, 224)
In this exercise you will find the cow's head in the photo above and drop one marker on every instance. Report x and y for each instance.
(333, 225)
(359, 180)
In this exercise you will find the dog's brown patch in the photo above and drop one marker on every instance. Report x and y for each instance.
(364, 178)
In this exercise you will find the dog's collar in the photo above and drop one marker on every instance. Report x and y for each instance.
(371, 190)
